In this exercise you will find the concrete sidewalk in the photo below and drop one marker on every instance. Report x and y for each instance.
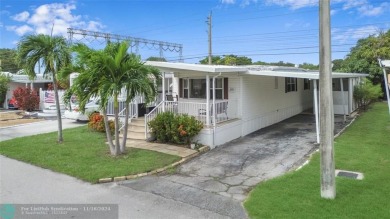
(35, 128)
(163, 148)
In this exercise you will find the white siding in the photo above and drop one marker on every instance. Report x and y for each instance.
(263, 105)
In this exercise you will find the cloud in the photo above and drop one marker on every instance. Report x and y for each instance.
(293, 4)
(55, 16)
(370, 10)
(228, 2)
(21, 16)
(343, 36)
(20, 30)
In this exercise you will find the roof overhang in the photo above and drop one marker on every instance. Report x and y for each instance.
(186, 67)
(306, 75)
(25, 78)
(273, 71)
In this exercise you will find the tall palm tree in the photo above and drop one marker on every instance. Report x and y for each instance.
(53, 53)
(104, 74)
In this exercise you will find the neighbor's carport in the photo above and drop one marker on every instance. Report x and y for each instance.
(288, 72)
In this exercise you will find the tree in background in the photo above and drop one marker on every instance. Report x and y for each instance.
(228, 60)
(4, 80)
(105, 74)
(157, 59)
(53, 53)
(309, 66)
(215, 60)
(363, 57)
(337, 65)
(26, 98)
(8, 60)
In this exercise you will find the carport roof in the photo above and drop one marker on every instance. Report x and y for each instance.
(260, 70)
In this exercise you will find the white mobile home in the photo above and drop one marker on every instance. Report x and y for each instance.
(246, 98)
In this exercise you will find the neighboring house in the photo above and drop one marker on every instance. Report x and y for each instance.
(39, 83)
(246, 98)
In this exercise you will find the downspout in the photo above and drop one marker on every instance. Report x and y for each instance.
(213, 107)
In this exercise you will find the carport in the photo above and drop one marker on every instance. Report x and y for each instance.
(347, 103)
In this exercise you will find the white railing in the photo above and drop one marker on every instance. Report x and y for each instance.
(221, 111)
(132, 114)
(151, 115)
(225, 110)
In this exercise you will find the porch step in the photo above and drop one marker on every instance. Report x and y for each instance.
(134, 135)
(136, 129)
(140, 121)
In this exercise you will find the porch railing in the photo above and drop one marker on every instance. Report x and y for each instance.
(132, 114)
(224, 111)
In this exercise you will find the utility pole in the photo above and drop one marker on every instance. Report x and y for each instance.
(209, 22)
(328, 184)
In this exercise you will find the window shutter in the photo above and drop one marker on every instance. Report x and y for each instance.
(181, 87)
(226, 88)
(285, 85)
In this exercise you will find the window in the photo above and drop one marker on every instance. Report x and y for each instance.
(196, 88)
(306, 84)
(218, 88)
(185, 88)
(291, 84)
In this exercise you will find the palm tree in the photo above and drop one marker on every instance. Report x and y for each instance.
(104, 74)
(53, 52)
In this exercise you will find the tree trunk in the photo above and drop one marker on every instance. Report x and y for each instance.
(116, 121)
(57, 99)
(108, 132)
(123, 145)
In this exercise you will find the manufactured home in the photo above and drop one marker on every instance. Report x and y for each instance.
(234, 101)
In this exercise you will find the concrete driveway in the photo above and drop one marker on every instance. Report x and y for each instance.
(220, 180)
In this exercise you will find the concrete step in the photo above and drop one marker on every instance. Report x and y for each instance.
(134, 135)
(140, 121)
(134, 128)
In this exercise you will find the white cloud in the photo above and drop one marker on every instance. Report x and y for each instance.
(333, 12)
(60, 15)
(370, 10)
(21, 16)
(342, 35)
(293, 4)
(229, 2)
(20, 30)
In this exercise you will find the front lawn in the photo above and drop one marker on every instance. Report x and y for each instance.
(364, 147)
(83, 154)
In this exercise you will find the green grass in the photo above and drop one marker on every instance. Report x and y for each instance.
(83, 154)
(364, 147)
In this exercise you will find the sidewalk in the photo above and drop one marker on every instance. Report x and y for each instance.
(163, 148)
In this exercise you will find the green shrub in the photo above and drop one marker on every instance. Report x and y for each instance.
(365, 93)
(4, 80)
(96, 123)
(178, 129)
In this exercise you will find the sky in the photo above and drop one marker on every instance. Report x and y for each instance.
(264, 30)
